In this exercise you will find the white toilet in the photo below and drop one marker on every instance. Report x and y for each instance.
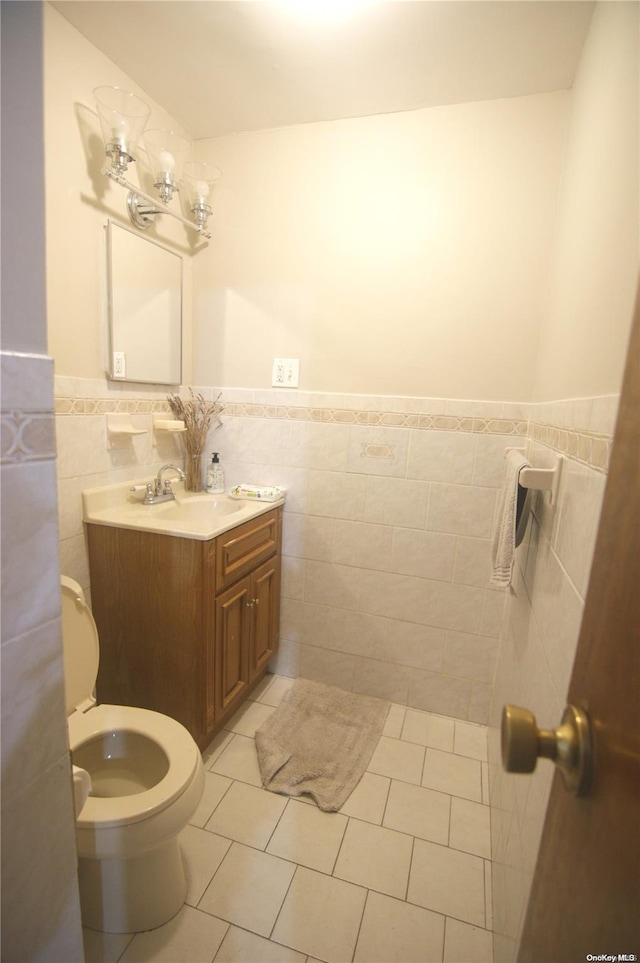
(147, 779)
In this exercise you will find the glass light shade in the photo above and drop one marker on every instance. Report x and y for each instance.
(122, 117)
(167, 153)
(200, 180)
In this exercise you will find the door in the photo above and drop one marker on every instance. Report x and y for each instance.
(585, 898)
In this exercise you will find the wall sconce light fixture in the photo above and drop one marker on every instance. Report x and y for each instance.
(167, 153)
(123, 117)
(200, 180)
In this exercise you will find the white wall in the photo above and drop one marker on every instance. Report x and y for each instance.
(582, 349)
(397, 254)
(592, 290)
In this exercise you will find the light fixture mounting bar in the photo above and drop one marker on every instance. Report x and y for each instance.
(154, 205)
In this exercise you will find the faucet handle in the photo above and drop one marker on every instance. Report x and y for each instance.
(148, 490)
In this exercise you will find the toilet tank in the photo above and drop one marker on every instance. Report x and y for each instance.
(81, 647)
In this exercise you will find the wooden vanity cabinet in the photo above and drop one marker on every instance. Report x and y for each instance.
(186, 627)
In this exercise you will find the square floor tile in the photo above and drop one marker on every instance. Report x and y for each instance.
(394, 723)
(249, 717)
(239, 946)
(215, 786)
(190, 937)
(375, 857)
(398, 760)
(418, 812)
(447, 881)
(321, 916)
(470, 827)
(239, 760)
(463, 943)
(256, 693)
(428, 729)
(470, 740)
(202, 853)
(308, 836)
(368, 799)
(396, 932)
(216, 747)
(248, 889)
(452, 774)
(280, 684)
(247, 814)
(104, 947)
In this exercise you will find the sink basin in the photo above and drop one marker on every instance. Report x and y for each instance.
(197, 511)
(191, 515)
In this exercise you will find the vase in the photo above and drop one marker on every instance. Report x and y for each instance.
(193, 472)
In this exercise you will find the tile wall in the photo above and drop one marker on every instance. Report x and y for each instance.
(539, 638)
(388, 523)
(38, 864)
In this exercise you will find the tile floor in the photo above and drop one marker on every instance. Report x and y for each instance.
(400, 875)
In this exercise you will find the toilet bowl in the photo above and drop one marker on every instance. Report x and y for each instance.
(147, 779)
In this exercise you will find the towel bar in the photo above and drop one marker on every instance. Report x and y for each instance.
(541, 479)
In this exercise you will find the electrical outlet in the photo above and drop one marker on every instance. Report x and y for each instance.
(286, 373)
(119, 364)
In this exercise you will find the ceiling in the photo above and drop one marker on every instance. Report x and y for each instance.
(226, 66)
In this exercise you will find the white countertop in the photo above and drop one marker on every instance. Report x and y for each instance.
(196, 515)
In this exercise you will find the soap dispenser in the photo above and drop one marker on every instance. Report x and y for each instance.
(215, 476)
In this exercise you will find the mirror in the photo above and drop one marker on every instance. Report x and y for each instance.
(144, 295)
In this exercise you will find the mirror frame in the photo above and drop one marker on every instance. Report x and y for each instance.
(170, 325)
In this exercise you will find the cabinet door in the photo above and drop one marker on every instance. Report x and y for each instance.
(265, 596)
(231, 656)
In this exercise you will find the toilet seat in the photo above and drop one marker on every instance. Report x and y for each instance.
(170, 736)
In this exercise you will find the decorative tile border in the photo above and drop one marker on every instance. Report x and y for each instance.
(384, 419)
(591, 448)
(27, 436)
(588, 448)
(27, 422)
(100, 406)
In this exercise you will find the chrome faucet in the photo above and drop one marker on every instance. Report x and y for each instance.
(164, 468)
(162, 491)
(159, 491)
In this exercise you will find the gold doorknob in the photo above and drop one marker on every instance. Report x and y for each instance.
(569, 746)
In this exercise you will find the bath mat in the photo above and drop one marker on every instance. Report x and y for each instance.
(319, 742)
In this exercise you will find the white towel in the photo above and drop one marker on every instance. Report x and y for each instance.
(504, 536)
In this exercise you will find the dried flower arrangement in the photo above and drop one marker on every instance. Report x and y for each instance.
(197, 415)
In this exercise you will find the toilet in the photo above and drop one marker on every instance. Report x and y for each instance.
(146, 778)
